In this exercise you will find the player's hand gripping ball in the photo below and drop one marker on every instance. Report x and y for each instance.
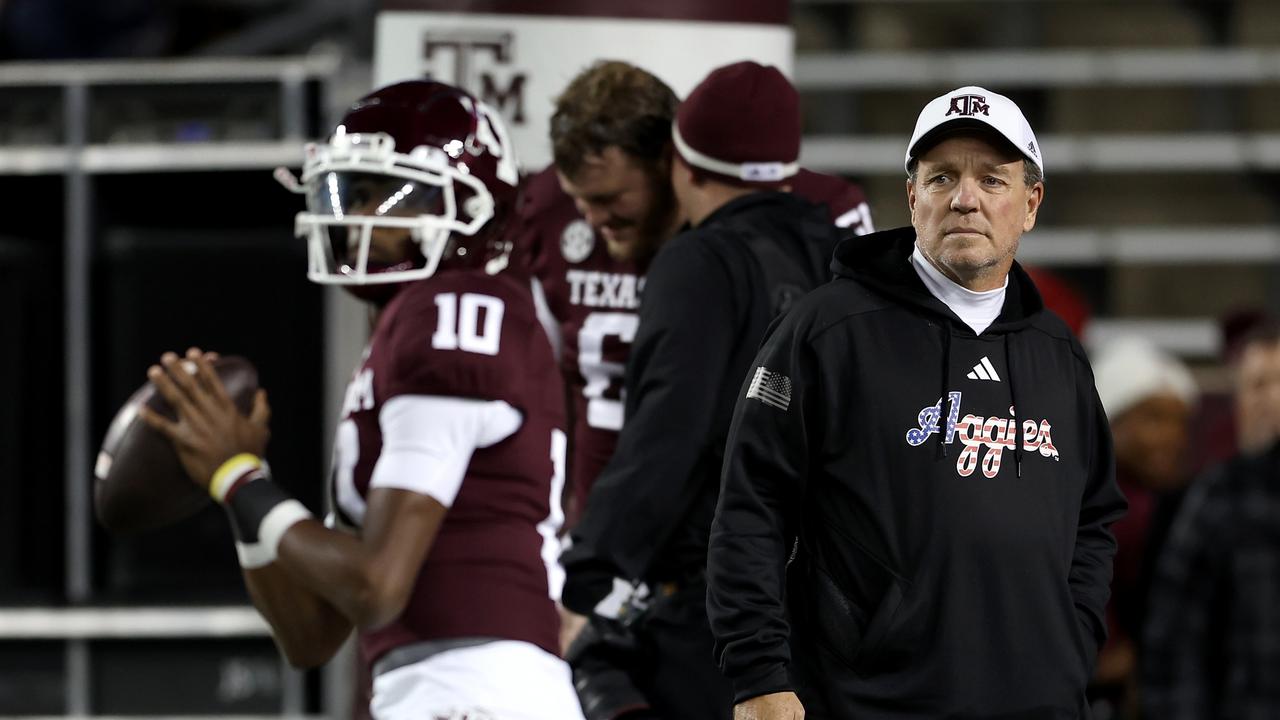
(140, 482)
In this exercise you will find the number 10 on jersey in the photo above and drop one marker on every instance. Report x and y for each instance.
(471, 323)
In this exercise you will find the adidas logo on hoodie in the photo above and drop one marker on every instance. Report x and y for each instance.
(984, 370)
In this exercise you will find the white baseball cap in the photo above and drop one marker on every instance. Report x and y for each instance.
(975, 106)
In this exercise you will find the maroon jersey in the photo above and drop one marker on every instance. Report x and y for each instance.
(465, 334)
(595, 300)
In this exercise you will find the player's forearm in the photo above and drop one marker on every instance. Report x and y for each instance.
(369, 578)
(307, 628)
(342, 570)
(368, 582)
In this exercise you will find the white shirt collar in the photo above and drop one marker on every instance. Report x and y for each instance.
(977, 309)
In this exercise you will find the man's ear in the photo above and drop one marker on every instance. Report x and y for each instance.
(682, 171)
(1035, 196)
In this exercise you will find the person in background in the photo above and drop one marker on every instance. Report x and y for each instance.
(750, 251)
(592, 223)
(1149, 396)
(1221, 426)
(1257, 387)
(1212, 636)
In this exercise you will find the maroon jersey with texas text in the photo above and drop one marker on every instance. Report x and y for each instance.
(595, 300)
(465, 334)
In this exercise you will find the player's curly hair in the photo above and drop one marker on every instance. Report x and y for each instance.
(612, 103)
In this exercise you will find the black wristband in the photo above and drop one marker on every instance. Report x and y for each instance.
(250, 504)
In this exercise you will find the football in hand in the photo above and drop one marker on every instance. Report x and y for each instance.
(139, 483)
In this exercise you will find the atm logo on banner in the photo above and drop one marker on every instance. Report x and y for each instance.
(482, 63)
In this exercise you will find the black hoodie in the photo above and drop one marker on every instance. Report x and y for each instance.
(941, 560)
(709, 298)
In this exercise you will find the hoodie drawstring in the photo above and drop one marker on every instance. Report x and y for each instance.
(1013, 399)
(943, 408)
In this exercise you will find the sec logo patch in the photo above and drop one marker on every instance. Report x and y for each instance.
(577, 241)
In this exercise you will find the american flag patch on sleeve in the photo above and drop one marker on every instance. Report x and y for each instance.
(770, 388)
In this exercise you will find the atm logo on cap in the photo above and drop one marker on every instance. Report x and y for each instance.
(968, 106)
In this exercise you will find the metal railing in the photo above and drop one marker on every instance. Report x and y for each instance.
(76, 159)
(1036, 69)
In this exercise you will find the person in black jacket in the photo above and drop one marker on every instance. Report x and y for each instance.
(709, 296)
(1213, 622)
(918, 483)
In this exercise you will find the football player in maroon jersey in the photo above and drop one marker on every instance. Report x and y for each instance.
(593, 221)
(449, 459)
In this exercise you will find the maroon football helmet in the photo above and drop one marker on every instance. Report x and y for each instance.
(420, 166)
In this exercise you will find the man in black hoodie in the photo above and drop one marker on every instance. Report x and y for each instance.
(918, 483)
(709, 296)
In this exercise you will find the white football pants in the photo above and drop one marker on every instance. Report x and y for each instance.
(500, 680)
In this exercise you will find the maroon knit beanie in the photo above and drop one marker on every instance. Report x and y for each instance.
(741, 125)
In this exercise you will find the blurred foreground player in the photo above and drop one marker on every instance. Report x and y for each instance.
(448, 463)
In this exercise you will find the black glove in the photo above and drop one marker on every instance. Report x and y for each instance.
(603, 656)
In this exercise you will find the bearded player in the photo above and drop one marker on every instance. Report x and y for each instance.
(448, 462)
(611, 181)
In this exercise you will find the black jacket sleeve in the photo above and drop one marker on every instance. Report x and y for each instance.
(1101, 505)
(763, 481)
(688, 327)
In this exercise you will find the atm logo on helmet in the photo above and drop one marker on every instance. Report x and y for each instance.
(968, 106)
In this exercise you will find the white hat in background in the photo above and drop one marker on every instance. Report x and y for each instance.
(974, 107)
(1130, 370)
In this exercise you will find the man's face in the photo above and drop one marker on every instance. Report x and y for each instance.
(1151, 441)
(969, 206)
(631, 206)
(1258, 396)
